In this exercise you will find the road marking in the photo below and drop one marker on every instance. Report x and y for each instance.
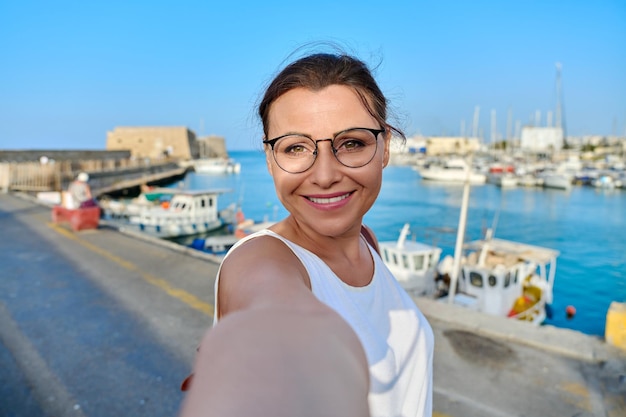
(180, 294)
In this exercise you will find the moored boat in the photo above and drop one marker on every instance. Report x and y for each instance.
(504, 278)
(452, 170)
(412, 263)
(187, 213)
(216, 166)
(554, 179)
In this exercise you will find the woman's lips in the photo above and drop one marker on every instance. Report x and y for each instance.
(329, 200)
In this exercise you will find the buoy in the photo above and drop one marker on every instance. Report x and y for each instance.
(570, 311)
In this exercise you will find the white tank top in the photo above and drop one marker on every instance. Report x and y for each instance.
(397, 338)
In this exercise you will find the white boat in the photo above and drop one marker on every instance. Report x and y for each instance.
(497, 276)
(451, 170)
(555, 179)
(502, 179)
(412, 263)
(114, 209)
(187, 213)
(504, 278)
(605, 182)
(502, 175)
(529, 180)
(216, 166)
(561, 175)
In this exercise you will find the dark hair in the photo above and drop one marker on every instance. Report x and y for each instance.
(321, 70)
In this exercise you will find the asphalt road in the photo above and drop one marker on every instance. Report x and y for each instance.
(94, 323)
(100, 323)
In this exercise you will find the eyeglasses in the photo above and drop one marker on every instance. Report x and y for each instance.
(353, 148)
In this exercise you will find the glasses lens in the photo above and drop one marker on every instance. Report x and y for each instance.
(355, 147)
(294, 153)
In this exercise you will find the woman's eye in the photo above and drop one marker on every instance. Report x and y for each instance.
(294, 149)
(349, 144)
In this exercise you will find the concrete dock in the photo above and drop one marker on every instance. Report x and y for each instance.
(105, 323)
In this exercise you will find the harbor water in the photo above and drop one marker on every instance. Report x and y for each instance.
(586, 225)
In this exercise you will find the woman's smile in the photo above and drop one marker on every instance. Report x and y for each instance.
(330, 202)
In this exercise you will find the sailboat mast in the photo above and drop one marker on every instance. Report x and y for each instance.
(475, 122)
(558, 117)
(494, 135)
(560, 114)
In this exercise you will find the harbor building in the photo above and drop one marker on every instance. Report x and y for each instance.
(155, 142)
(212, 146)
(542, 139)
(451, 145)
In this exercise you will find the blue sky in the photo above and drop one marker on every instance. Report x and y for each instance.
(72, 70)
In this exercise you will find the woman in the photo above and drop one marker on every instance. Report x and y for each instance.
(308, 320)
(80, 192)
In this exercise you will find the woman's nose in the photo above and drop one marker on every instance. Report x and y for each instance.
(325, 169)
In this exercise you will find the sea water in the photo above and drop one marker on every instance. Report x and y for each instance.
(586, 225)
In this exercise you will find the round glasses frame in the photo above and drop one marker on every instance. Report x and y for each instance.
(374, 132)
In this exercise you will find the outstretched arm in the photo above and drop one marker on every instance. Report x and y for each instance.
(279, 363)
(277, 350)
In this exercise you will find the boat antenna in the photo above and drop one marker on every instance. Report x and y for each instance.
(491, 232)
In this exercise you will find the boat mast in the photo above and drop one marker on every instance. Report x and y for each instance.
(494, 134)
(559, 116)
(456, 267)
(475, 122)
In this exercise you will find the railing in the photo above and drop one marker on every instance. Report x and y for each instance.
(37, 177)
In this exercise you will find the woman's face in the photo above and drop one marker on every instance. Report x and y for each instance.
(329, 198)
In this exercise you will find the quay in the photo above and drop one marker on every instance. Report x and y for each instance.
(105, 323)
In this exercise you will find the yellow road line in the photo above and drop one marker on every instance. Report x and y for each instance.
(182, 295)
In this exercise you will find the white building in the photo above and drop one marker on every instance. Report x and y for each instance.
(540, 139)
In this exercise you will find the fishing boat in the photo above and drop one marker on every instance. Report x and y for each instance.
(187, 213)
(497, 276)
(412, 263)
(504, 278)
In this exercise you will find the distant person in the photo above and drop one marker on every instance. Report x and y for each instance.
(308, 319)
(80, 192)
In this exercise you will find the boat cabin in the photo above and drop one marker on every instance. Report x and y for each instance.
(187, 213)
(496, 274)
(412, 263)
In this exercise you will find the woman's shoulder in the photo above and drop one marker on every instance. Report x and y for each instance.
(261, 269)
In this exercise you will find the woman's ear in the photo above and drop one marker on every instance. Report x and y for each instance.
(268, 160)
(387, 141)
